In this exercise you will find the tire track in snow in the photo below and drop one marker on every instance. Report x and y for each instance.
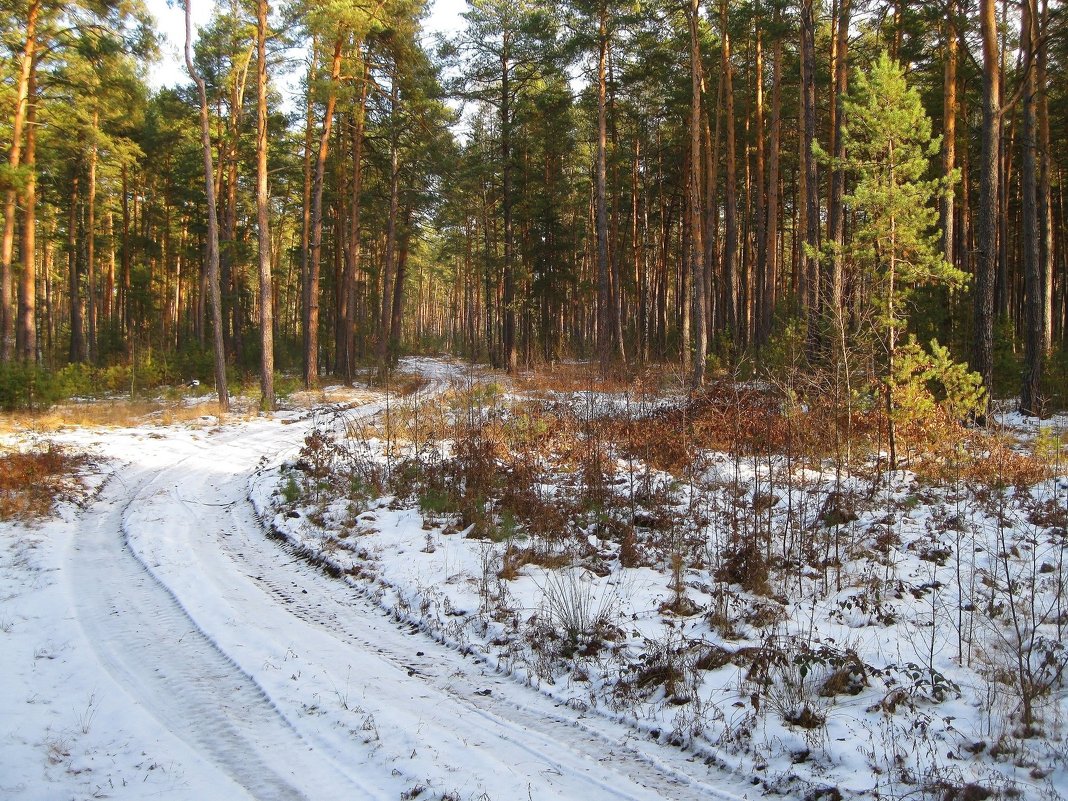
(142, 615)
(151, 646)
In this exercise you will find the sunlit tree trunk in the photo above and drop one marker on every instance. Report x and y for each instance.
(949, 135)
(27, 325)
(262, 218)
(213, 226)
(810, 196)
(771, 275)
(27, 67)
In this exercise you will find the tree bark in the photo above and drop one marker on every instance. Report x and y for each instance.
(27, 333)
(77, 323)
(810, 198)
(771, 273)
(1030, 245)
(949, 135)
(508, 301)
(262, 216)
(27, 67)
(1045, 203)
(604, 294)
(213, 225)
(306, 208)
(90, 239)
(352, 264)
(833, 278)
(390, 262)
(697, 249)
(311, 286)
(758, 193)
(989, 174)
(730, 197)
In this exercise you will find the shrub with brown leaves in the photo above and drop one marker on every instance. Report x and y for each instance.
(32, 482)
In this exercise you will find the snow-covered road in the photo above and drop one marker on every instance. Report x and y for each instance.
(268, 679)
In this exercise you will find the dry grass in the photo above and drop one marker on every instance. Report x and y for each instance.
(119, 413)
(585, 376)
(32, 482)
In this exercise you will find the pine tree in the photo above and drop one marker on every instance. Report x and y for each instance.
(895, 245)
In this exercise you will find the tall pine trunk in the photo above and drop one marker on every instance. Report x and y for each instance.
(347, 344)
(949, 135)
(833, 278)
(27, 326)
(262, 219)
(771, 273)
(730, 195)
(27, 67)
(989, 174)
(1045, 203)
(213, 226)
(811, 234)
(604, 289)
(74, 281)
(311, 285)
(1030, 245)
(697, 249)
(389, 266)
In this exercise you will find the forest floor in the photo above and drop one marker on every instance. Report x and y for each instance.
(467, 587)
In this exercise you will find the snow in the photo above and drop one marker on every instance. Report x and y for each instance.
(925, 708)
(159, 644)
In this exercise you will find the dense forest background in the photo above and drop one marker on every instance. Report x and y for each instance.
(716, 185)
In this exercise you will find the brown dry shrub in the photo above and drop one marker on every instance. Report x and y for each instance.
(33, 482)
(744, 564)
(584, 377)
(515, 559)
(727, 416)
(1000, 466)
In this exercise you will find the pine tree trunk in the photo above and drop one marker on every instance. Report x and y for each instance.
(810, 197)
(1045, 204)
(832, 280)
(74, 291)
(229, 158)
(27, 67)
(352, 265)
(772, 231)
(989, 173)
(262, 219)
(758, 193)
(697, 249)
(27, 325)
(311, 286)
(1034, 300)
(90, 239)
(127, 257)
(306, 207)
(397, 312)
(213, 227)
(390, 262)
(730, 200)
(508, 301)
(604, 295)
(949, 135)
